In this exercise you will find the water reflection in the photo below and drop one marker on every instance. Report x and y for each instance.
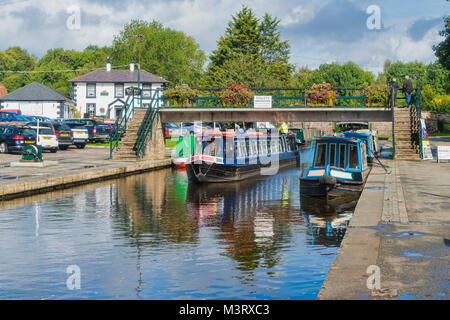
(154, 236)
(255, 218)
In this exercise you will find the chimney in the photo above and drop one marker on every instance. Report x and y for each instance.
(132, 64)
(108, 65)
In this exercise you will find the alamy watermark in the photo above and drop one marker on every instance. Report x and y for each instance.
(373, 22)
(73, 282)
(374, 280)
(73, 22)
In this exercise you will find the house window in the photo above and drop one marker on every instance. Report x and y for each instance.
(146, 90)
(118, 90)
(90, 90)
(90, 109)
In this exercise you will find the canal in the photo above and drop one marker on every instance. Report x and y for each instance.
(154, 236)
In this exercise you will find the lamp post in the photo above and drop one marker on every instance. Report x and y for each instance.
(140, 35)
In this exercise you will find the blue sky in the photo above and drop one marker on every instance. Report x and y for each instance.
(319, 31)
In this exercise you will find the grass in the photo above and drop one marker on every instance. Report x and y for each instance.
(171, 143)
(100, 144)
(440, 134)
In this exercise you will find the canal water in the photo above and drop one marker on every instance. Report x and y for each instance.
(154, 236)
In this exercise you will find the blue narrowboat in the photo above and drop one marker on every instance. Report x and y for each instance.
(229, 156)
(337, 167)
(369, 140)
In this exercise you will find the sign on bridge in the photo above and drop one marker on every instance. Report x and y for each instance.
(262, 102)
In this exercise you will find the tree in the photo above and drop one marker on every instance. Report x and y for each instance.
(442, 50)
(62, 60)
(346, 75)
(257, 45)
(166, 52)
(433, 74)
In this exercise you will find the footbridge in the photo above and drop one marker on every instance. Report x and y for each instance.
(144, 116)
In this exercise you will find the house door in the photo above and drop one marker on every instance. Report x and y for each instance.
(118, 112)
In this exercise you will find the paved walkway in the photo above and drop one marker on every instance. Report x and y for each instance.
(402, 226)
(75, 166)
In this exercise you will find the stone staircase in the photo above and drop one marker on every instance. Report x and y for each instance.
(127, 146)
(406, 134)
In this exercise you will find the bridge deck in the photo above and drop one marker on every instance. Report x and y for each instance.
(278, 114)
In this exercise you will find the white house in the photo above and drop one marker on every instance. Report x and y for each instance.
(103, 92)
(35, 99)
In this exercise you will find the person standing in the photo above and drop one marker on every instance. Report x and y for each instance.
(394, 86)
(407, 89)
(284, 128)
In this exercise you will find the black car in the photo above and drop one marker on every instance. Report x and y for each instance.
(14, 138)
(98, 131)
(64, 134)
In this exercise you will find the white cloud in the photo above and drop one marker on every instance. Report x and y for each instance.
(206, 21)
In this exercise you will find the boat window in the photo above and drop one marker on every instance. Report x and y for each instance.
(237, 147)
(273, 146)
(254, 147)
(353, 162)
(364, 155)
(342, 148)
(332, 155)
(198, 145)
(243, 148)
(229, 149)
(262, 146)
(321, 153)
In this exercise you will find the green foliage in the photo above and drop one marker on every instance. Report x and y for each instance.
(252, 50)
(432, 74)
(236, 95)
(251, 71)
(442, 50)
(164, 51)
(180, 95)
(346, 75)
(431, 101)
(376, 95)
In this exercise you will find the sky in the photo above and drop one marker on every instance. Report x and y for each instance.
(319, 31)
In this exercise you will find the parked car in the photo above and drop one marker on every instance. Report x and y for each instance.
(41, 118)
(193, 127)
(65, 135)
(98, 131)
(13, 117)
(79, 133)
(172, 130)
(14, 138)
(46, 137)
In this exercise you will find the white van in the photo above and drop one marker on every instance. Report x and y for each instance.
(47, 139)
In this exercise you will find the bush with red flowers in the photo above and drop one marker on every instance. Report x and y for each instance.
(236, 95)
(321, 94)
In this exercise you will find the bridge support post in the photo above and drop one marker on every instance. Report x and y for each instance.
(155, 148)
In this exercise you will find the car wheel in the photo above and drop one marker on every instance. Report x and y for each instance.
(54, 150)
(3, 148)
(63, 147)
(81, 146)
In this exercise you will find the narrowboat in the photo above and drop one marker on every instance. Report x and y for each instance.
(223, 156)
(183, 150)
(353, 129)
(337, 166)
(369, 140)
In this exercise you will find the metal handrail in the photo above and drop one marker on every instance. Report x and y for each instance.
(116, 136)
(146, 128)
